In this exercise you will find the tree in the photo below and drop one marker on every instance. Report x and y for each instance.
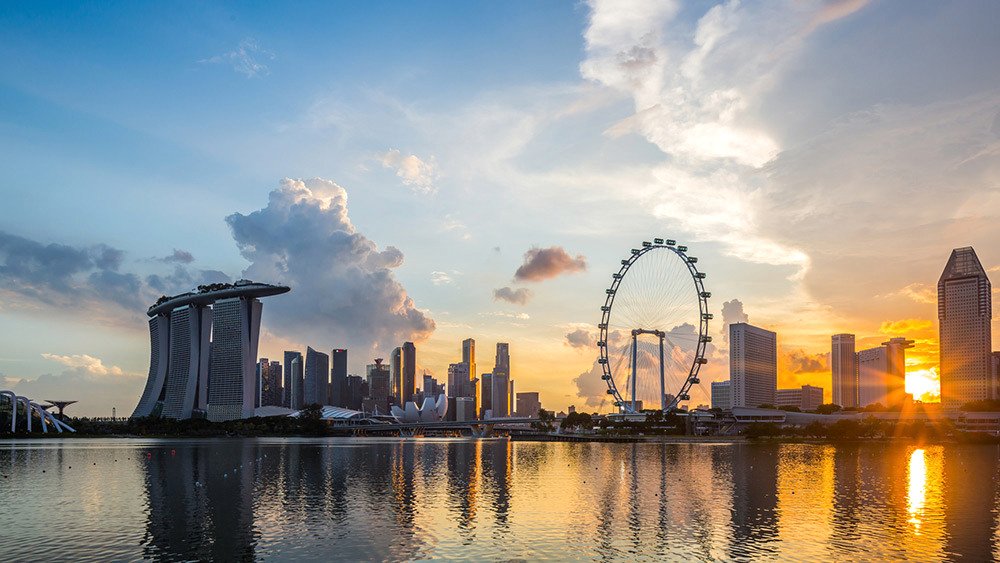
(828, 408)
(790, 408)
(767, 406)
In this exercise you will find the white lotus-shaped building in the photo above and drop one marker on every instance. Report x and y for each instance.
(432, 410)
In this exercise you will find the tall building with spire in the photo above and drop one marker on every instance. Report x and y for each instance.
(965, 311)
(844, 367)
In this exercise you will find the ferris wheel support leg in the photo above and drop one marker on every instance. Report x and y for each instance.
(634, 362)
(663, 388)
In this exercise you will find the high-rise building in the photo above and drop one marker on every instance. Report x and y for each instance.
(203, 352)
(338, 377)
(263, 365)
(268, 390)
(289, 386)
(316, 377)
(458, 379)
(502, 362)
(298, 382)
(806, 398)
(500, 395)
(232, 369)
(882, 373)
(721, 395)
(844, 369)
(753, 365)
(965, 311)
(469, 356)
(528, 405)
(396, 371)
(409, 373)
(465, 408)
(996, 375)
(357, 390)
(379, 385)
(486, 393)
(187, 371)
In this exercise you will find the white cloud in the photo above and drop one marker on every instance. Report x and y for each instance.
(245, 59)
(441, 278)
(89, 364)
(418, 174)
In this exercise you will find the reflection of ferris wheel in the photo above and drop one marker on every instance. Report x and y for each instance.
(654, 327)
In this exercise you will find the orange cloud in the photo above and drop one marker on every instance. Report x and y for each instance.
(905, 326)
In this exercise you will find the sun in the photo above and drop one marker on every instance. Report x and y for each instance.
(923, 384)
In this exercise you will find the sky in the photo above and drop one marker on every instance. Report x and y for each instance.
(434, 171)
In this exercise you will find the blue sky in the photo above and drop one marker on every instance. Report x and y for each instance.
(821, 158)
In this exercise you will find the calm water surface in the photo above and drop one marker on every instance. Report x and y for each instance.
(372, 499)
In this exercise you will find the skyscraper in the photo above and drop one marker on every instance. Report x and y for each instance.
(409, 373)
(187, 371)
(965, 311)
(844, 368)
(753, 365)
(469, 356)
(203, 352)
(486, 393)
(500, 394)
(528, 404)
(288, 385)
(502, 361)
(458, 378)
(378, 385)
(882, 373)
(338, 377)
(298, 382)
(396, 373)
(232, 373)
(316, 377)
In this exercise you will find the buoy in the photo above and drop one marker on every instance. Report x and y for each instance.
(173, 452)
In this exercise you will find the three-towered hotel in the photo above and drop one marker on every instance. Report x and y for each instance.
(203, 352)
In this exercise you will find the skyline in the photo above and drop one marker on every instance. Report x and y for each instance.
(822, 159)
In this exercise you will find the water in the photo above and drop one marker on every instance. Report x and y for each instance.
(387, 499)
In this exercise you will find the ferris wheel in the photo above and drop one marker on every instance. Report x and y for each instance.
(654, 328)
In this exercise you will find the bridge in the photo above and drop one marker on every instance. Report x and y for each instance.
(476, 428)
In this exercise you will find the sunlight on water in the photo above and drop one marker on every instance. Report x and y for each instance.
(388, 499)
(917, 492)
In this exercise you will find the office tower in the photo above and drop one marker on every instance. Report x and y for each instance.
(502, 361)
(844, 369)
(465, 409)
(263, 366)
(996, 375)
(298, 381)
(187, 370)
(357, 390)
(469, 357)
(500, 394)
(288, 384)
(965, 311)
(316, 377)
(430, 386)
(806, 398)
(528, 405)
(338, 377)
(882, 373)
(458, 379)
(409, 373)
(753, 365)
(379, 385)
(203, 352)
(486, 393)
(721, 395)
(396, 369)
(271, 391)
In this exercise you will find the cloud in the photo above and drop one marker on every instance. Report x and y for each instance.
(918, 292)
(87, 363)
(506, 315)
(545, 263)
(519, 296)
(590, 387)
(344, 291)
(800, 361)
(179, 256)
(441, 278)
(97, 387)
(905, 326)
(732, 312)
(245, 59)
(419, 175)
(581, 338)
(451, 224)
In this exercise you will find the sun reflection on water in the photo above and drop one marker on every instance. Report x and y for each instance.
(916, 495)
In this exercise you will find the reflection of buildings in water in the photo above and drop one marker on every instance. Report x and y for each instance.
(194, 495)
(755, 500)
(497, 475)
(404, 502)
(846, 494)
(464, 459)
(970, 496)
